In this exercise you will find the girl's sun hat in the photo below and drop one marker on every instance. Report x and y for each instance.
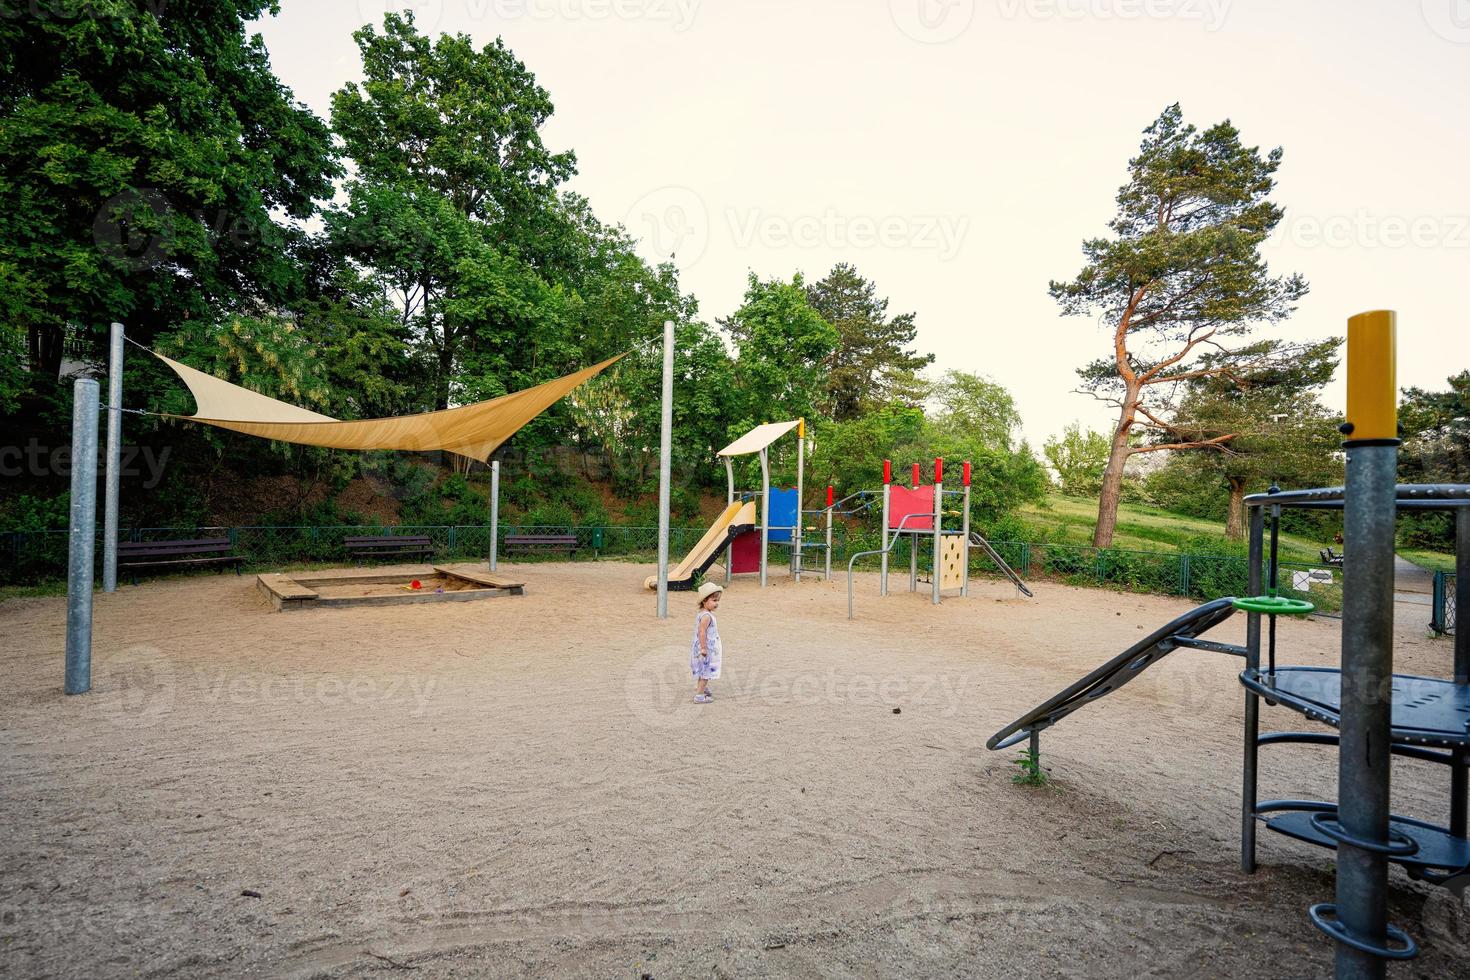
(708, 589)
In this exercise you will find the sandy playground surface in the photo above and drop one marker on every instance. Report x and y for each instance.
(521, 786)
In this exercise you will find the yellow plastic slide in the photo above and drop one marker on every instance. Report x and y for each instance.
(701, 556)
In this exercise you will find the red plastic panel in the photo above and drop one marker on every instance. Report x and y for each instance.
(745, 553)
(919, 500)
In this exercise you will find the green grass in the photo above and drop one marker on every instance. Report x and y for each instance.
(1435, 561)
(1070, 520)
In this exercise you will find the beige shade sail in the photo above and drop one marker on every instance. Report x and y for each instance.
(474, 430)
(759, 438)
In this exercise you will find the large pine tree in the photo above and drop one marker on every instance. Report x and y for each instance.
(874, 359)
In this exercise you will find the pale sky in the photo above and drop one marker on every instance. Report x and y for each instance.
(959, 151)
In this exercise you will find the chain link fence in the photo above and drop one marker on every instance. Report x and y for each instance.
(1442, 620)
(34, 556)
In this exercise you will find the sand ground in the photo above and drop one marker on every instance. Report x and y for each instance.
(521, 786)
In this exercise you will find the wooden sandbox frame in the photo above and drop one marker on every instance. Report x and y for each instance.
(294, 590)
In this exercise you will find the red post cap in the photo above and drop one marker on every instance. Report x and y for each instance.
(887, 471)
(966, 472)
(916, 474)
(938, 469)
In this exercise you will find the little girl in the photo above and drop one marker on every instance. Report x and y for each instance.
(704, 653)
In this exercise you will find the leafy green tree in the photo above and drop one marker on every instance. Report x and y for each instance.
(873, 360)
(1180, 280)
(1078, 457)
(1437, 433)
(454, 200)
(156, 170)
(783, 344)
(1436, 449)
(978, 409)
(1278, 431)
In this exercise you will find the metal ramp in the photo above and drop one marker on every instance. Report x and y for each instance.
(977, 541)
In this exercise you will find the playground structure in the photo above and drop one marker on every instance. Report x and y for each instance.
(1377, 714)
(912, 512)
(746, 536)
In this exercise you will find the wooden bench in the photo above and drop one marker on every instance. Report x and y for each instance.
(135, 556)
(1331, 557)
(389, 546)
(541, 542)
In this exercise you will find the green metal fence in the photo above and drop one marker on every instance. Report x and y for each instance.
(32, 556)
(1442, 620)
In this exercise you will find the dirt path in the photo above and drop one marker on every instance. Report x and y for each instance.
(521, 786)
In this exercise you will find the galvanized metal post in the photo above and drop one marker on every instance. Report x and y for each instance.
(114, 461)
(1363, 755)
(1367, 672)
(82, 546)
(1250, 749)
(765, 512)
(800, 487)
(494, 512)
(935, 569)
(729, 499)
(965, 542)
(1459, 777)
(665, 450)
(883, 583)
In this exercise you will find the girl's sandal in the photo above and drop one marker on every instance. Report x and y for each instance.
(702, 699)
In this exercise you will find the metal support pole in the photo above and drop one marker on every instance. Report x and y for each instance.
(1274, 567)
(665, 448)
(114, 461)
(913, 561)
(934, 570)
(494, 513)
(883, 581)
(82, 545)
(1250, 748)
(1364, 758)
(1459, 776)
(800, 486)
(765, 512)
(965, 543)
(729, 499)
(1367, 678)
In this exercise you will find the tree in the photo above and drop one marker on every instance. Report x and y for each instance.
(454, 202)
(156, 171)
(978, 409)
(1078, 457)
(1181, 279)
(872, 361)
(783, 346)
(1437, 433)
(1280, 432)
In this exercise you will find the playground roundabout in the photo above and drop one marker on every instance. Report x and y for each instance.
(524, 785)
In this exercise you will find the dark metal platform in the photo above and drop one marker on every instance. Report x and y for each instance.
(1436, 848)
(1426, 710)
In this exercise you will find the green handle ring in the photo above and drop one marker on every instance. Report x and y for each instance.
(1274, 605)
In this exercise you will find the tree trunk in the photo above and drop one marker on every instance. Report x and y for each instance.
(1112, 483)
(1235, 516)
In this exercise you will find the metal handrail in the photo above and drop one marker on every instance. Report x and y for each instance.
(881, 551)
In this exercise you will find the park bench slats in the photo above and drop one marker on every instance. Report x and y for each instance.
(135, 556)
(389, 545)
(541, 542)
